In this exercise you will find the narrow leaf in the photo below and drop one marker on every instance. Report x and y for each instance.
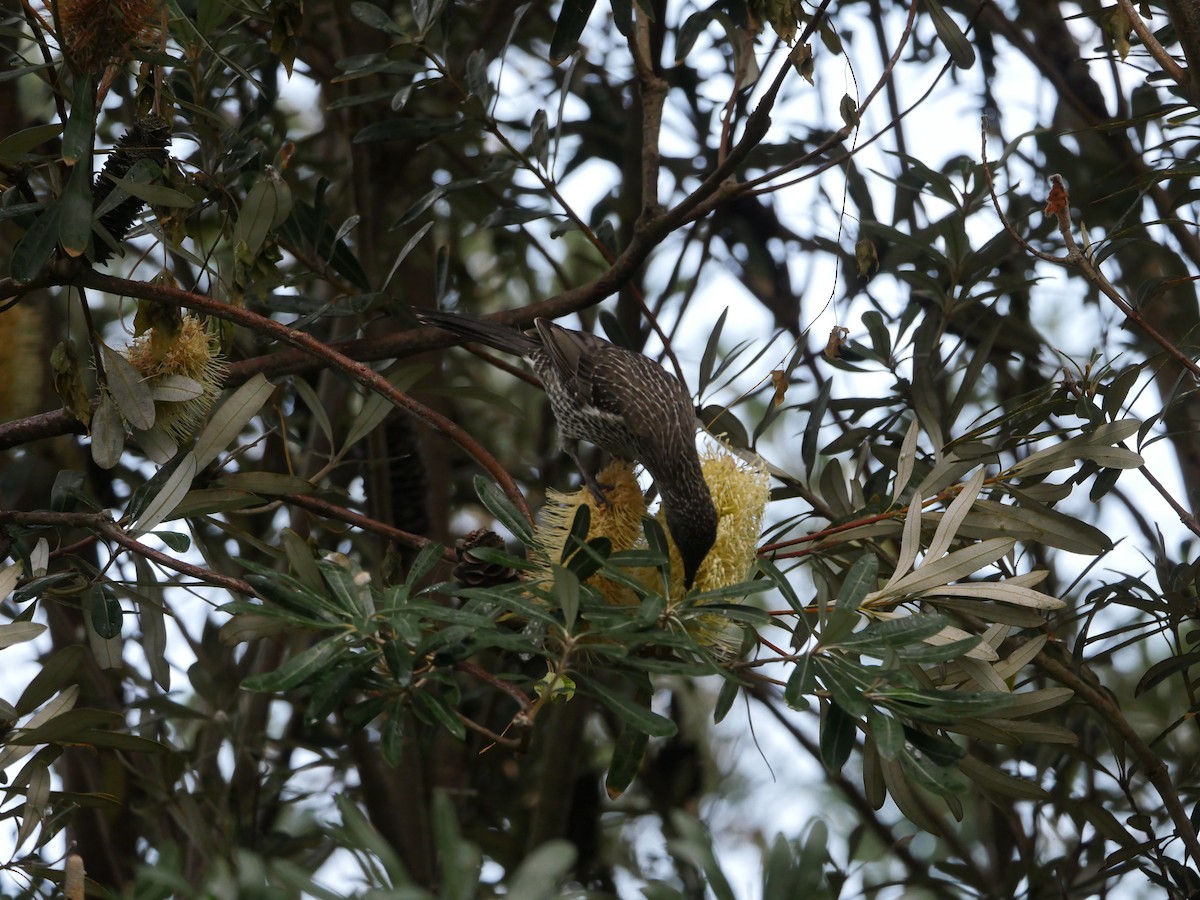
(228, 420)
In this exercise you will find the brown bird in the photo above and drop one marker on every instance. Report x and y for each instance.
(622, 402)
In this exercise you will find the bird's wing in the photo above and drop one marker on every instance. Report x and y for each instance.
(571, 354)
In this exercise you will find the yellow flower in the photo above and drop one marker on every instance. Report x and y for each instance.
(188, 350)
(619, 520)
(740, 491)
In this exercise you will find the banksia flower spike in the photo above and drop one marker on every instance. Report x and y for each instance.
(187, 350)
(95, 33)
(619, 520)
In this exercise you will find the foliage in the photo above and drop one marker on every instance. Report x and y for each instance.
(269, 654)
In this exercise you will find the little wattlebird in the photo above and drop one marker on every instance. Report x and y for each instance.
(623, 403)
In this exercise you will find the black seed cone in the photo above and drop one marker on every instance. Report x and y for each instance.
(623, 403)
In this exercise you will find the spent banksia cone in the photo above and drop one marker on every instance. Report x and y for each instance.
(147, 139)
(98, 32)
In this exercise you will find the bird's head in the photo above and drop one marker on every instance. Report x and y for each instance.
(693, 526)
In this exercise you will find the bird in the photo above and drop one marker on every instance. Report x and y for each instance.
(624, 403)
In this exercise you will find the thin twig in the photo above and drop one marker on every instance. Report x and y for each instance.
(1178, 74)
(364, 375)
(1082, 260)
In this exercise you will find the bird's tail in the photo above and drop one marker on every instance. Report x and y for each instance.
(501, 337)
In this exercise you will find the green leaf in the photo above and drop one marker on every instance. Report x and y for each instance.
(859, 582)
(108, 433)
(566, 591)
(32, 251)
(626, 761)
(228, 420)
(154, 644)
(542, 871)
(15, 147)
(374, 17)
(19, 632)
(129, 390)
(81, 124)
(267, 206)
(957, 45)
(572, 18)
(75, 211)
(136, 184)
(801, 683)
(437, 711)
(163, 502)
(838, 737)
(412, 128)
(300, 668)
(267, 484)
(53, 673)
(106, 612)
(502, 508)
(377, 406)
(630, 711)
(895, 632)
(958, 564)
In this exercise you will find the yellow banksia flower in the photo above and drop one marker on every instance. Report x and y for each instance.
(619, 520)
(189, 350)
(740, 492)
